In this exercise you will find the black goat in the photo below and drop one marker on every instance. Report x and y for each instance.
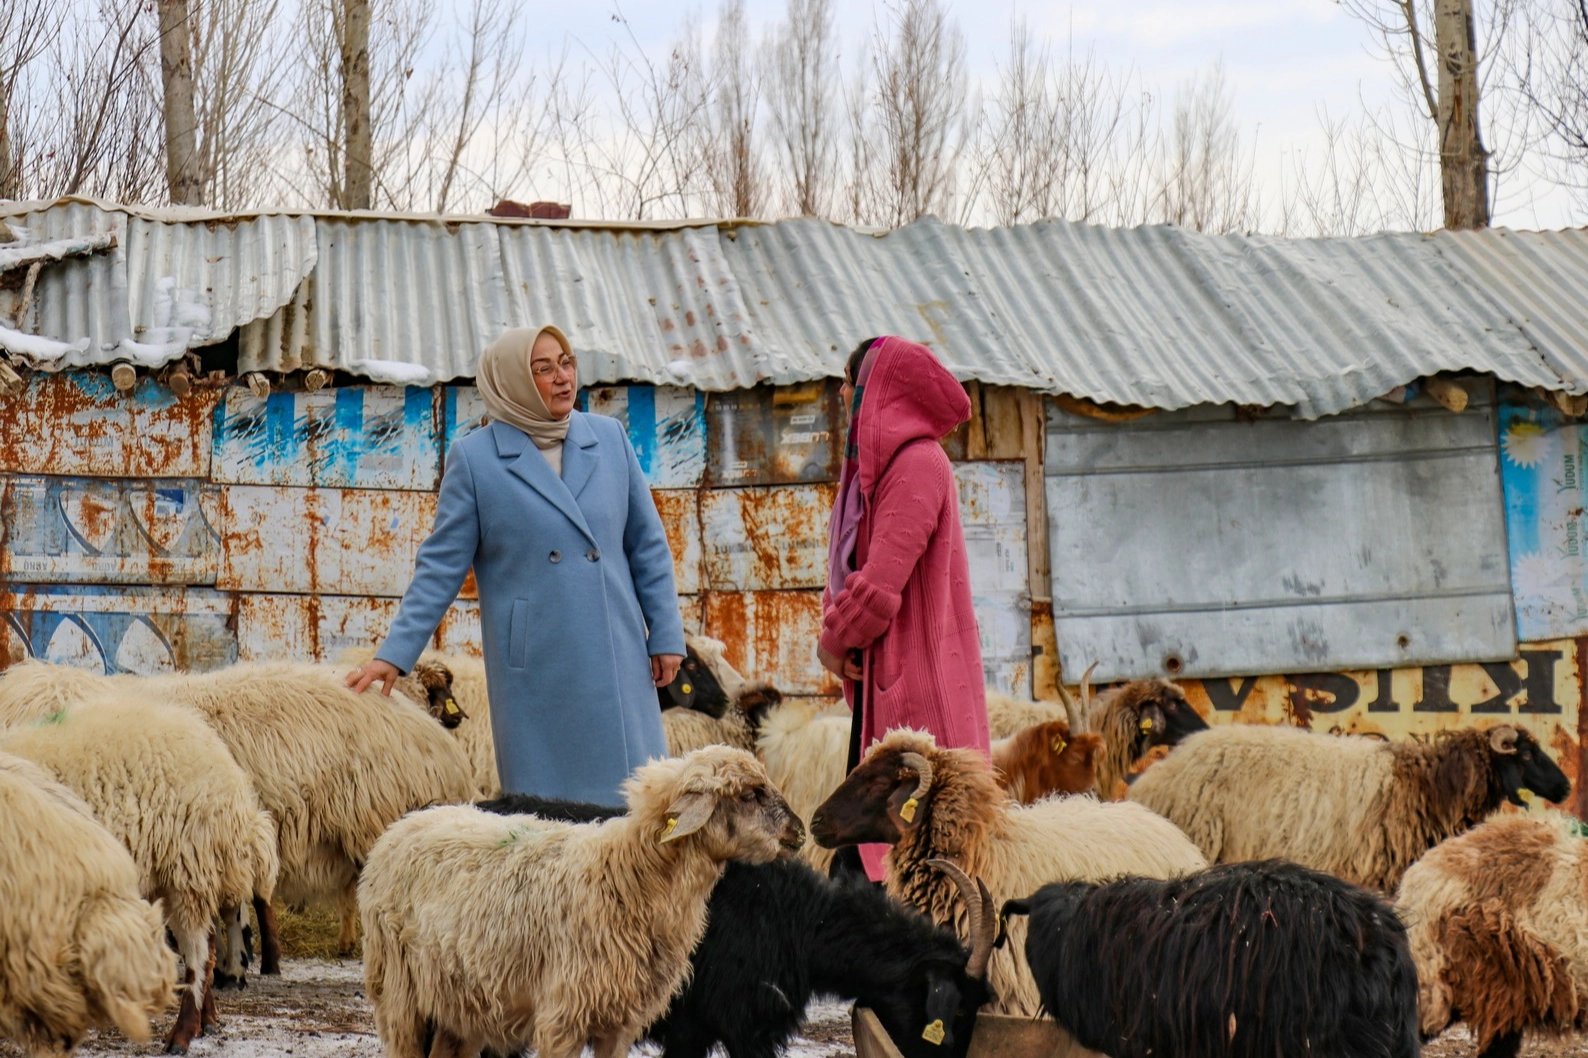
(779, 933)
(695, 687)
(1244, 960)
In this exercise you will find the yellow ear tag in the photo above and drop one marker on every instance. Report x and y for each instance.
(450, 706)
(907, 810)
(672, 824)
(1058, 746)
(934, 1033)
(1146, 724)
(1526, 796)
(686, 688)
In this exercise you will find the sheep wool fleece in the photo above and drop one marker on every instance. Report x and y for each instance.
(907, 605)
(576, 593)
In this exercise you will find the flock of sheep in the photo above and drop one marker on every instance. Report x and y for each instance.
(1357, 901)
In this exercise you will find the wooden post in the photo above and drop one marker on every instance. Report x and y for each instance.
(1045, 668)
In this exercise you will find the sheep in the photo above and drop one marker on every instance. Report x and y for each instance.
(1356, 807)
(931, 802)
(78, 946)
(805, 749)
(1133, 720)
(333, 768)
(778, 933)
(1498, 922)
(473, 730)
(505, 931)
(159, 779)
(1045, 759)
(1247, 960)
(696, 686)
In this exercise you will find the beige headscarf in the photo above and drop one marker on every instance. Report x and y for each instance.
(508, 386)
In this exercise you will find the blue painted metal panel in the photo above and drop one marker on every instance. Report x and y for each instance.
(377, 437)
(117, 531)
(116, 630)
(1542, 459)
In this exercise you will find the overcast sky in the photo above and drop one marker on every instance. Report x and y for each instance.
(1284, 59)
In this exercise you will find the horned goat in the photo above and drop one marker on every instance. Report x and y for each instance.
(159, 779)
(779, 933)
(1247, 960)
(1498, 920)
(509, 931)
(78, 946)
(1046, 759)
(929, 803)
(1356, 807)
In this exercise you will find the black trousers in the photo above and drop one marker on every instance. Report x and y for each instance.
(846, 861)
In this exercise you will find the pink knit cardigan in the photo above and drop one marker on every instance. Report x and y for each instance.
(908, 603)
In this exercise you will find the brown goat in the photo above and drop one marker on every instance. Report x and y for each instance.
(1045, 759)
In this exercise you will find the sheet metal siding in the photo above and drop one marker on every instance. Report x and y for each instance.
(118, 629)
(992, 506)
(378, 437)
(1193, 544)
(77, 424)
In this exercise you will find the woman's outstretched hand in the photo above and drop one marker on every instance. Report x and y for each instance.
(372, 671)
(664, 667)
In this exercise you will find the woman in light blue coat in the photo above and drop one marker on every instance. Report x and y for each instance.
(578, 613)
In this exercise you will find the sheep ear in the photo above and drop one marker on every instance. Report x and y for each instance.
(686, 815)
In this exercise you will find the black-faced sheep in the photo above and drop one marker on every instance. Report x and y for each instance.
(1248, 960)
(695, 687)
(931, 803)
(779, 933)
(505, 931)
(1356, 807)
(333, 768)
(78, 946)
(162, 782)
(1498, 921)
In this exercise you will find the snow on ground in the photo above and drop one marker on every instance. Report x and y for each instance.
(316, 1009)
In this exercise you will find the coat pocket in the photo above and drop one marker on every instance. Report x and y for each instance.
(518, 635)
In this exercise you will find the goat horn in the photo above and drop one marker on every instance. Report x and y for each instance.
(1086, 699)
(923, 770)
(981, 936)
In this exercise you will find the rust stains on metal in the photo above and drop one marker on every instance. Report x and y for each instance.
(772, 635)
(78, 423)
(762, 539)
(680, 514)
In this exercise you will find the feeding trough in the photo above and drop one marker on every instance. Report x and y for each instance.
(995, 1036)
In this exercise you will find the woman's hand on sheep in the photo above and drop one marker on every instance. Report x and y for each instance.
(664, 667)
(372, 670)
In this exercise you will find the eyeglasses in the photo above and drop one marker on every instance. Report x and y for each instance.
(567, 364)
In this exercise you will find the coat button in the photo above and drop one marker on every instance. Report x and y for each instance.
(593, 555)
(555, 556)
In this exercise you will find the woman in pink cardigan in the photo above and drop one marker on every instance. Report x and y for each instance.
(897, 622)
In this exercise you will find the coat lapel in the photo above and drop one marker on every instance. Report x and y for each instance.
(528, 464)
(579, 455)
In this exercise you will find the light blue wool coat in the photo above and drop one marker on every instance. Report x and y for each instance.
(571, 573)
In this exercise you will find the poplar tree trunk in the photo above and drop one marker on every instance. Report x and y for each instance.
(1463, 160)
(181, 124)
(359, 145)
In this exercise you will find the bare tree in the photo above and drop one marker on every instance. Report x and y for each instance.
(1551, 72)
(802, 71)
(918, 110)
(182, 177)
(1207, 181)
(1021, 143)
(734, 166)
(239, 68)
(28, 30)
(1463, 160)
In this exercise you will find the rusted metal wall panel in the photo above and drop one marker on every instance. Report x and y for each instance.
(309, 627)
(331, 541)
(460, 629)
(1194, 543)
(680, 513)
(774, 435)
(76, 423)
(1542, 457)
(992, 507)
(116, 629)
(666, 425)
(374, 437)
(463, 413)
(118, 531)
(764, 539)
(772, 635)
(1542, 690)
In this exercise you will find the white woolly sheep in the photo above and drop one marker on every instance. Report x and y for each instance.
(78, 946)
(162, 782)
(805, 747)
(1356, 807)
(505, 931)
(333, 768)
(1498, 923)
(929, 802)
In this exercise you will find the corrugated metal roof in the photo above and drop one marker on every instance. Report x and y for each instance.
(1155, 316)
